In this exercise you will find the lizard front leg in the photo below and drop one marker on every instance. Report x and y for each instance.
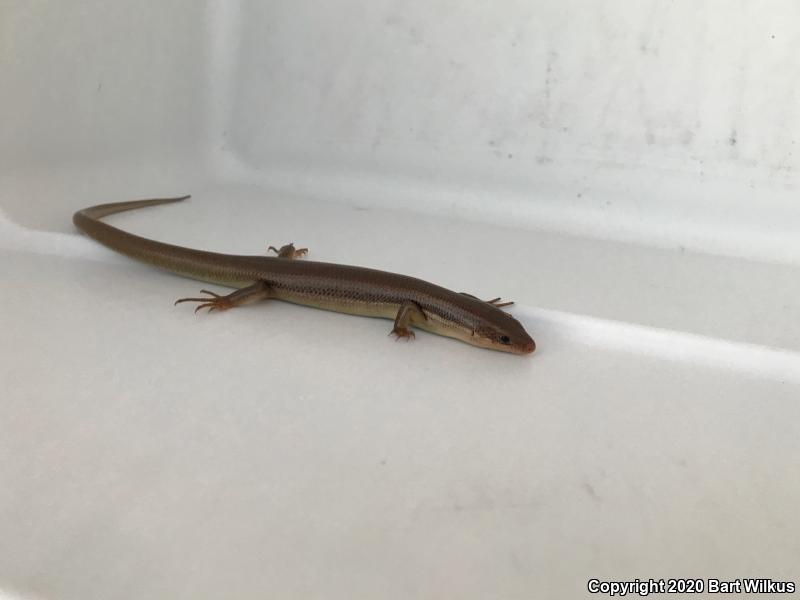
(406, 313)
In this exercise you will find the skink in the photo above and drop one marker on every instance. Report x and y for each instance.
(341, 288)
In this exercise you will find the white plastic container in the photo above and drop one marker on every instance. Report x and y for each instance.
(626, 172)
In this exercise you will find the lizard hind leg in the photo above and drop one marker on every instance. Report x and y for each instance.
(288, 251)
(252, 293)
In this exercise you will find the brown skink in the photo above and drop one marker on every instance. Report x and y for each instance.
(341, 288)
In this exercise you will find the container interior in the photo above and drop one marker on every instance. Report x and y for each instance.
(626, 173)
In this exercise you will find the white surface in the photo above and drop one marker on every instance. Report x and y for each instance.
(574, 158)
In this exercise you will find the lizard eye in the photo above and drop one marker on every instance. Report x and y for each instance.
(504, 339)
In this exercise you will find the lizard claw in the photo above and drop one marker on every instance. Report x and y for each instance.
(402, 332)
(216, 302)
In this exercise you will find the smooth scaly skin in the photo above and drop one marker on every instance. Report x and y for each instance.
(340, 288)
